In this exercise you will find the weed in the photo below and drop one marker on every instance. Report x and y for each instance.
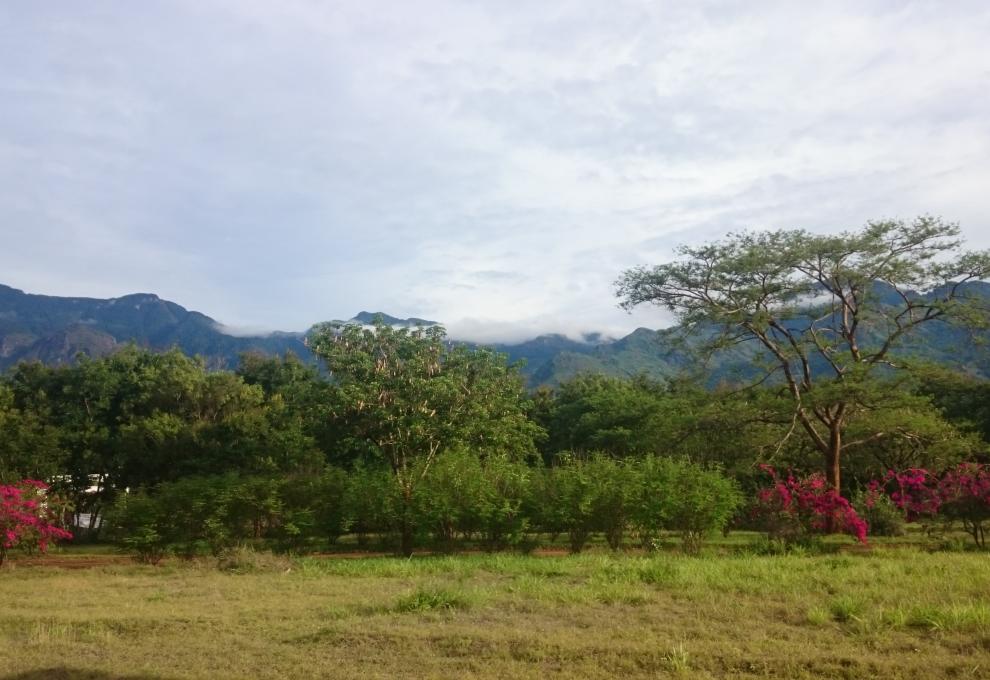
(432, 599)
(847, 608)
(676, 659)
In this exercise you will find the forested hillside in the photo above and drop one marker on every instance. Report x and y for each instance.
(54, 330)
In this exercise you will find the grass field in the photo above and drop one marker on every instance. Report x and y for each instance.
(893, 613)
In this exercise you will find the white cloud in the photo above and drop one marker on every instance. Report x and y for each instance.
(493, 162)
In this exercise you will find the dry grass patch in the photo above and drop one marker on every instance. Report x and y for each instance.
(900, 614)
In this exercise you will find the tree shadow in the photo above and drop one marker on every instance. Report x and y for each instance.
(63, 673)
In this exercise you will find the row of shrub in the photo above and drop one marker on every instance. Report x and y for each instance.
(463, 500)
(496, 504)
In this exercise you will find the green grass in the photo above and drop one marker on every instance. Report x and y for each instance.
(895, 613)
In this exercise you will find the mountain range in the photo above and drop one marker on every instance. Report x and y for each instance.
(55, 330)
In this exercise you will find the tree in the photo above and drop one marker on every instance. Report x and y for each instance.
(593, 412)
(964, 400)
(303, 391)
(406, 395)
(826, 312)
(29, 517)
(28, 445)
(137, 418)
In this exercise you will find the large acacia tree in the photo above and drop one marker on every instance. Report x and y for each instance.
(406, 395)
(827, 312)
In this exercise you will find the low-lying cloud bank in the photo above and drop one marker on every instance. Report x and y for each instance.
(485, 331)
(236, 331)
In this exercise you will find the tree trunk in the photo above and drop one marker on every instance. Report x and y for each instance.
(406, 528)
(833, 458)
(406, 538)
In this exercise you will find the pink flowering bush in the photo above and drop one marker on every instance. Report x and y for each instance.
(964, 492)
(914, 491)
(793, 509)
(961, 494)
(28, 517)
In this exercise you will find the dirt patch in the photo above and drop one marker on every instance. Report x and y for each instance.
(64, 562)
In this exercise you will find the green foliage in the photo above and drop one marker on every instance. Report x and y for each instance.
(301, 395)
(29, 447)
(467, 497)
(825, 313)
(881, 514)
(211, 514)
(571, 495)
(583, 496)
(373, 502)
(963, 400)
(410, 396)
(432, 599)
(329, 496)
(683, 497)
(136, 419)
(598, 413)
(138, 523)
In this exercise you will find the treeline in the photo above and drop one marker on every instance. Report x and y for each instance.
(409, 440)
(494, 504)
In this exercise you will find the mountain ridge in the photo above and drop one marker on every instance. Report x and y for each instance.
(55, 330)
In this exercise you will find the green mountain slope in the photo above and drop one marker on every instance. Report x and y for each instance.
(56, 329)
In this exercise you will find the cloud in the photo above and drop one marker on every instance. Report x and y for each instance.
(487, 331)
(245, 331)
(278, 164)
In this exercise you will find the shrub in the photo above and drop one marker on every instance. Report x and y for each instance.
(195, 514)
(29, 517)
(914, 492)
(614, 487)
(542, 505)
(138, 523)
(961, 494)
(881, 514)
(684, 497)
(373, 503)
(500, 503)
(964, 494)
(792, 509)
(700, 501)
(448, 500)
(313, 508)
(580, 494)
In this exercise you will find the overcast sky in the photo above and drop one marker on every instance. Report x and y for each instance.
(492, 165)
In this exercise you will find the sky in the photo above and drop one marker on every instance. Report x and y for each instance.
(491, 165)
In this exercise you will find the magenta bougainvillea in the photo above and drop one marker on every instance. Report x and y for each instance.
(959, 494)
(29, 518)
(792, 508)
(914, 491)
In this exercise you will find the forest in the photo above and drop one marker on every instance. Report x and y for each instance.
(406, 441)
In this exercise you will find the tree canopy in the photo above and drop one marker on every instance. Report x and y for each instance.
(405, 396)
(827, 312)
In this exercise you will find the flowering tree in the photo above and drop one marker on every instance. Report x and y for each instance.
(28, 517)
(915, 491)
(793, 508)
(961, 494)
(965, 496)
